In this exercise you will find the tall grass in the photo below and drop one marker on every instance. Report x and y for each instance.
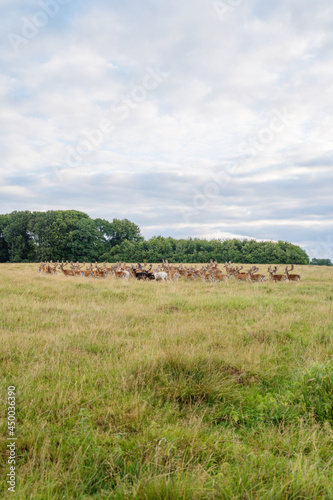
(153, 390)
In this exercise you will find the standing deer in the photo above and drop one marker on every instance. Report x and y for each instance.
(254, 276)
(292, 277)
(276, 277)
(241, 276)
(66, 272)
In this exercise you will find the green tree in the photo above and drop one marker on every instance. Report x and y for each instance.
(4, 249)
(117, 231)
(87, 241)
(54, 233)
(18, 238)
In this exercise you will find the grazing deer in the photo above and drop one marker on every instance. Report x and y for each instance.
(292, 277)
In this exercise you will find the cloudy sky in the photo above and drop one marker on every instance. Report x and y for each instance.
(188, 117)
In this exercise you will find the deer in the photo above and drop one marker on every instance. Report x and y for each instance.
(119, 273)
(161, 276)
(206, 273)
(240, 276)
(292, 277)
(88, 271)
(42, 267)
(173, 275)
(76, 269)
(99, 272)
(219, 277)
(150, 275)
(192, 273)
(254, 276)
(142, 274)
(49, 268)
(182, 271)
(276, 277)
(66, 272)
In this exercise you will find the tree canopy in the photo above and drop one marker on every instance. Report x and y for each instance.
(73, 235)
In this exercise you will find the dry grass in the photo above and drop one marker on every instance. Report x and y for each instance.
(155, 390)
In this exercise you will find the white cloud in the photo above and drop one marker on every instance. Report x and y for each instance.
(225, 82)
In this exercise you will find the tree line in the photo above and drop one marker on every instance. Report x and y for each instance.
(321, 262)
(72, 235)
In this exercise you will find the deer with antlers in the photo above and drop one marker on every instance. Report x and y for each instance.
(276, 277)
(87, 271)
(292, 277)
(99, 272)
(76, 268)
(66, 272)
(240, 276)
(218, 276)
(254, 276)
(206, 273)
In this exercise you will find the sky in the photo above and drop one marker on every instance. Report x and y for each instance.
(191, 118)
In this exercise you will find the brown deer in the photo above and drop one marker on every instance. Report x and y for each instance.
(240, 276)
(99, 272)
(276, 277)
(206, 273)
(254, 276)
(292, 277)
(76, 269)
(218, 276)
(42, 267)
(87, 271)
(66, 272)
(173, 274)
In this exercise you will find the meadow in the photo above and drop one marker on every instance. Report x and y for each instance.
(152, 390)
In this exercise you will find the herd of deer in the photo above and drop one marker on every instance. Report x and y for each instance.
(209, 272)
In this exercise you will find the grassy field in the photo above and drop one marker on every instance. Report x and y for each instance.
(153, 390)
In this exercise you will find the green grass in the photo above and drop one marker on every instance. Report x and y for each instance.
(153, 390)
